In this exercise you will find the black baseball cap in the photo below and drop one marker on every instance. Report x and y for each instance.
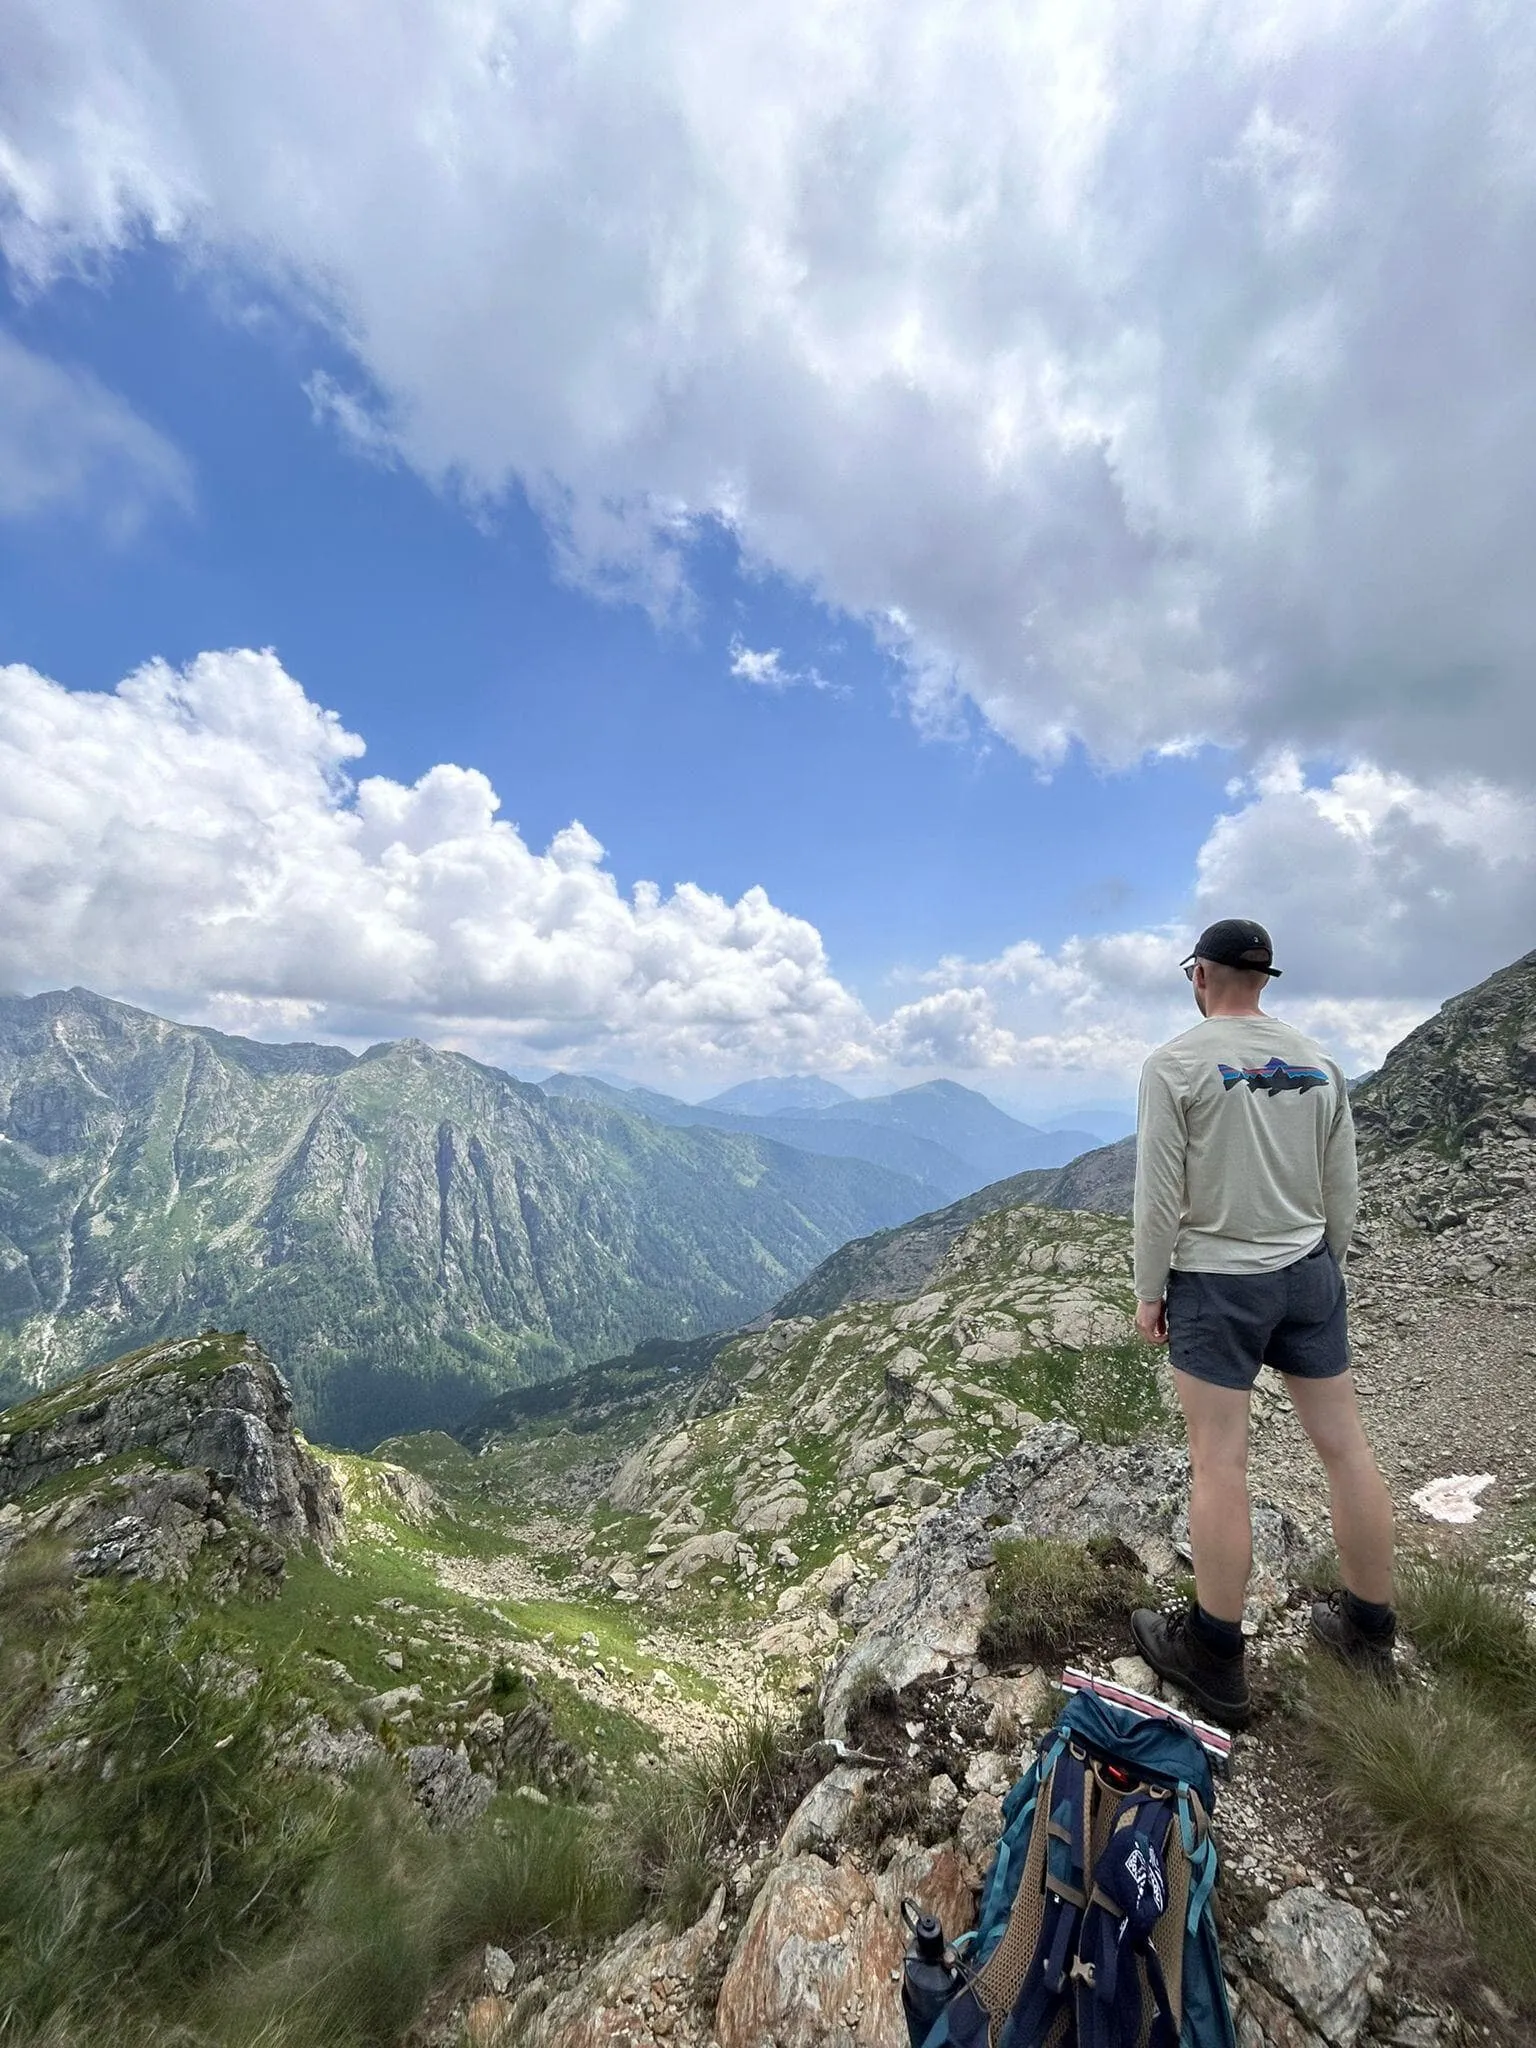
(1235, 942)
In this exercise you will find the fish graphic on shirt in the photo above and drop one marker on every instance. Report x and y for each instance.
(1275, 1077)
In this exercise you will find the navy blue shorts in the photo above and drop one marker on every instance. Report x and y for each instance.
(1223, 1326)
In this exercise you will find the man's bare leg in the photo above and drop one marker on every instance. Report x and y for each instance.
(1358, 1499)
(1220, 1518)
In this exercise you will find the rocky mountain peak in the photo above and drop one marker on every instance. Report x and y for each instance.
(1466, 1076)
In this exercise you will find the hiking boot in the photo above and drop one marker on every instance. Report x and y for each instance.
(1336, 1628)
(1217, 1685)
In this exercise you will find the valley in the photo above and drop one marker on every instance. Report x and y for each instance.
(573, 1610)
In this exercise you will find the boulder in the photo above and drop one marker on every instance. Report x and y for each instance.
(449, 1793)
(819, 1818)
(718, 1546)
(816, 1964)
(980, 1826)
(771, 1513)
(1319, 1952)
(1264, 2021)
(926, 1613)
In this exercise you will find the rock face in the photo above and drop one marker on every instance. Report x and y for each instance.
(369, 1215)
(816, 1962)
(1467, 1074)
(631, 1996)
(926, 1613)
(138, 1465)
(213, 1403)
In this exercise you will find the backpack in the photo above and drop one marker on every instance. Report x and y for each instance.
(1095, 1929)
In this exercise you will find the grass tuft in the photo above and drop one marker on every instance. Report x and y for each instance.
(672, 1830)
(1044, 1595)
(1474, 1630)
(1444, 1791)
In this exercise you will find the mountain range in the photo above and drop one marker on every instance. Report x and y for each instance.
(407, 1229)
(948, 1139)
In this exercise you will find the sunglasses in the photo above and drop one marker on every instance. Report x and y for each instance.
(1189, 970)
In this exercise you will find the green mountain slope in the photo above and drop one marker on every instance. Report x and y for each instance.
(409, 1230)
(891, 1264)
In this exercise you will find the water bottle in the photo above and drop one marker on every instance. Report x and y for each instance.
(927, 1980)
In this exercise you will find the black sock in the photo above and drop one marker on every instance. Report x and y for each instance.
(1221, 1638)
(1372, 1617)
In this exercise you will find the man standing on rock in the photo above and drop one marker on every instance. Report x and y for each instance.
(1245, 1200)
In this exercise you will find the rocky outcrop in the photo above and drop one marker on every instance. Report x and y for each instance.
(214, 1404)
(637, 1995)
(816, 1963)
(925, 1615)
(140, 1464)
(1466, 1075)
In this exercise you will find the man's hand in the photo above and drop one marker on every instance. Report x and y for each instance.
(1151, 1322)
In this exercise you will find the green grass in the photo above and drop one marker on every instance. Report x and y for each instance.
(37, 1603)
(1472, 1629)
(1443, 1792)
(215, 1351)
(171, 1878)
(1043, 1595)
(1440, 1778)
(674, 1829)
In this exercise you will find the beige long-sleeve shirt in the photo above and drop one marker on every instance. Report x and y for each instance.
(1245, 1152)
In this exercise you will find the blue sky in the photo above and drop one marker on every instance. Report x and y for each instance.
(439, 637)
(1142, 553)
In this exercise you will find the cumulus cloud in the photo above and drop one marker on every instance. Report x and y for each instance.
(199, 839)
(197, 835)
(1146, 374)
(1382, 897)
(67, 444)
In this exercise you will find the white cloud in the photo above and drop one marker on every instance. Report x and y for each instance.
(67, 444)
(1382, 897)
(1145, 373)
(196, 840)
(765, 668)
(195, 837)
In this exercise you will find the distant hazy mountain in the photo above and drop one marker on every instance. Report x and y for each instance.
(779, 1093)
(948, 1138)
(1107, 1125)
(407, 1230)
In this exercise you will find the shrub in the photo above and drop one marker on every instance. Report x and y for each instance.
(1044, 1595)
(531, 1870)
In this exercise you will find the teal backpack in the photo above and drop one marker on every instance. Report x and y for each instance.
(1096, 1928)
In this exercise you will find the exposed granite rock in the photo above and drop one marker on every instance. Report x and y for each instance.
(1319, 1953)
(449, 1793)
(814, 1966)
(212, 1405)
(635, 1995)
(926, 1613)
(1467, 1074)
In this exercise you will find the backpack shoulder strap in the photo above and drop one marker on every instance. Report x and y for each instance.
(1047, 1989)
(1123, 1999)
